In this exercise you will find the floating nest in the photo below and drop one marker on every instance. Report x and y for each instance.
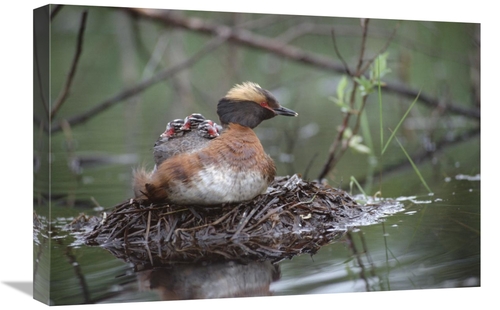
(293, 217)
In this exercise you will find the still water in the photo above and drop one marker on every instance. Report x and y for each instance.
(432, 242)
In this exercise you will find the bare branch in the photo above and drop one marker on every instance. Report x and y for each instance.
(336, 49)
(382, 50)
(364, 25)
(296, 32)
(335, 153)
(39, 80)
(431, 102)
(57, 9)
(65, 91)
(425, 154)
(332, 152)
(247, 38)
(239, 36)
(134, 90)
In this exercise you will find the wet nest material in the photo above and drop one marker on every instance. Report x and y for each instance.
(293, 217)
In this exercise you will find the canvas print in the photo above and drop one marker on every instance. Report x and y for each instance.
(182, 155)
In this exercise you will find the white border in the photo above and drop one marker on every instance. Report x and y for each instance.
(16, 73)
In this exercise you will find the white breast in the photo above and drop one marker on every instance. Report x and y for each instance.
(219, 185)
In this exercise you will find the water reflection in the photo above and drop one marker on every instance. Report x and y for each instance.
(210, 280)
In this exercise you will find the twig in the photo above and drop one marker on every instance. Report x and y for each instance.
(431, 102)
(57, 9)
(364, 25)
(336, 49)
(362, 273)
(222, 218)
(37, 120)
(171, 230)
(149, 253)
(146, 236)
(382, 50)
(309, 165)
(332, 156)
(65, 91)
(304, 202)
(243, 223)
(345, 145)
(328, 166)
(79, 275)
(276, 210)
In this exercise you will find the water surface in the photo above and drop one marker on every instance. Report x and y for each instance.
(432, 242)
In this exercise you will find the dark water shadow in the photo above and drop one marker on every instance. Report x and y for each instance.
(25, 287)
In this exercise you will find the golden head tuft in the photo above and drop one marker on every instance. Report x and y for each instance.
(247, 91)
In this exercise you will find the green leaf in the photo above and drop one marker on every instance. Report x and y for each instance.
(379, 68)
(344, 107)
(347, 133)
(341, 87)
(356, 145)
(365, 85)
(361, 148)
(341, 91)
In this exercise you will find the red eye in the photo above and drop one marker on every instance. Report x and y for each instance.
(264, 104)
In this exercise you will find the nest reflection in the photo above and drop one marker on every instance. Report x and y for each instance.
(213, 280)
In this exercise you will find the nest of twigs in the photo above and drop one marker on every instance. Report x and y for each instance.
(293, 217)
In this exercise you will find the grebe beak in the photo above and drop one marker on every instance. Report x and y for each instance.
(284, 111)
